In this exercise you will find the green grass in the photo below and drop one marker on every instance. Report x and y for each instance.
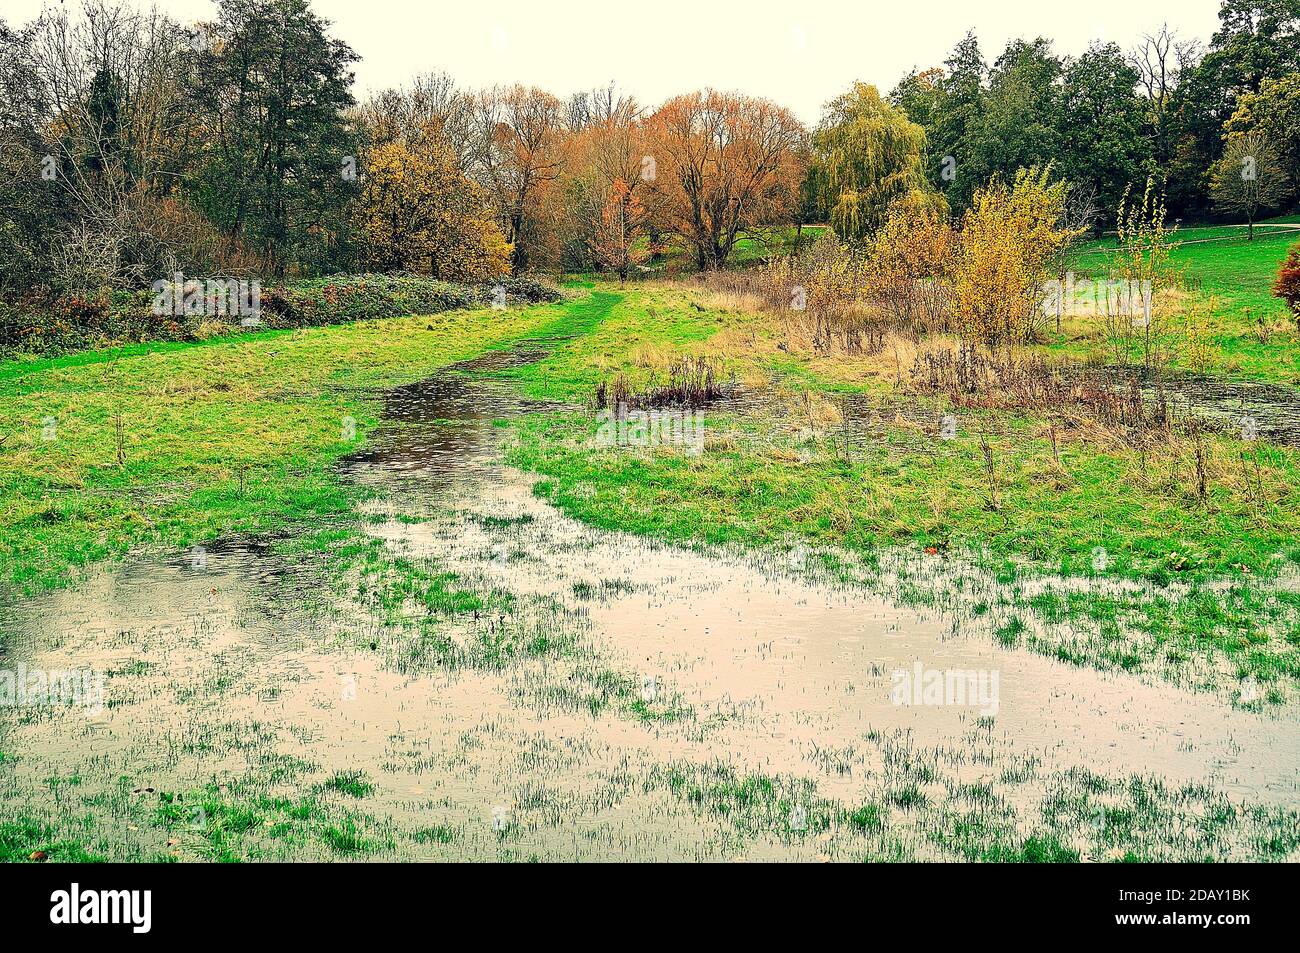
(1115, 819)
(762, 483)
(608, 333)
(220, 437)
(767, 480)
(751, 248)
(1235, 277)
(352, 783)
(897, 492)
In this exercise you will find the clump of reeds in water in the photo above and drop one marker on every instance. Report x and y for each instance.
(969, 377)
(692, 382)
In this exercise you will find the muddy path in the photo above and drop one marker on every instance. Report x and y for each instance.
(686, 676)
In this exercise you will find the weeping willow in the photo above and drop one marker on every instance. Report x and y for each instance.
(867, 156)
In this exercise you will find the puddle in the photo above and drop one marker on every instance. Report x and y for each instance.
(809, 664)
(1271, 411)
(440, 430)
(243, 664)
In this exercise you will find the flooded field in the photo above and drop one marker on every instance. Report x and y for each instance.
(468, 673)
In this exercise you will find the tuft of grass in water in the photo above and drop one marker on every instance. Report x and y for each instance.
(345, 838)
(352, 783)
(434, 835)
(1009, 634)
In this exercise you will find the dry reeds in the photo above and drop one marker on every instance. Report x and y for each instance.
(692, 382)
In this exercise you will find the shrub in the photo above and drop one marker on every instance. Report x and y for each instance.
(820, 292)
(908, 271)
(53, 324)
(1009, 236)
(1287, 286)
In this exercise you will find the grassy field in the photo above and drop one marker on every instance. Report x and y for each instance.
(177, 444)
(824, 458)
(789, 477)
(1232, 279)
(907, 486)
(238, 436)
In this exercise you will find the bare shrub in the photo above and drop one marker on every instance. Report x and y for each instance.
(973, 378)
(821, 295)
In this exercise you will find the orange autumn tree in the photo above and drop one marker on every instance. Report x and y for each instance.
(519, 155)
(723, 164)
(606, 147)
(621, 227)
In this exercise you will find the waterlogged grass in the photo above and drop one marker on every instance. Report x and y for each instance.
(28, 838)
(1186, 592)
(917, 810)
(255, 816)
(758, 483)
(798, 475)
(432, 618)
(178, 444)
(1257, 631)
(240, 436)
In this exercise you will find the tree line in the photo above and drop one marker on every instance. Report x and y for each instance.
(133, 146)
(1169, 109)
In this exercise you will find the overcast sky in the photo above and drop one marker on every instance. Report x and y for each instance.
(798, 52)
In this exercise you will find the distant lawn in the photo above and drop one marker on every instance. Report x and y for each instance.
(751, 248)
(1234, 275)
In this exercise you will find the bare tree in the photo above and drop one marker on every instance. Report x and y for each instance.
(111, 84)
(432, 112)
(1160, 60)
(609, 149)
(519, 134)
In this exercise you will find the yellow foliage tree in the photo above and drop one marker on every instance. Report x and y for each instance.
(418, 212)
(1009, 238)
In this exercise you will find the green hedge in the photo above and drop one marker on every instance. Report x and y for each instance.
(71, 323)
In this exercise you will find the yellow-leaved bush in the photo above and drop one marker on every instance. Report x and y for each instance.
(418, 212)
(1009, 238)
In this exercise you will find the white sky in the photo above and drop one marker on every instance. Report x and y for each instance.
(800, 53)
